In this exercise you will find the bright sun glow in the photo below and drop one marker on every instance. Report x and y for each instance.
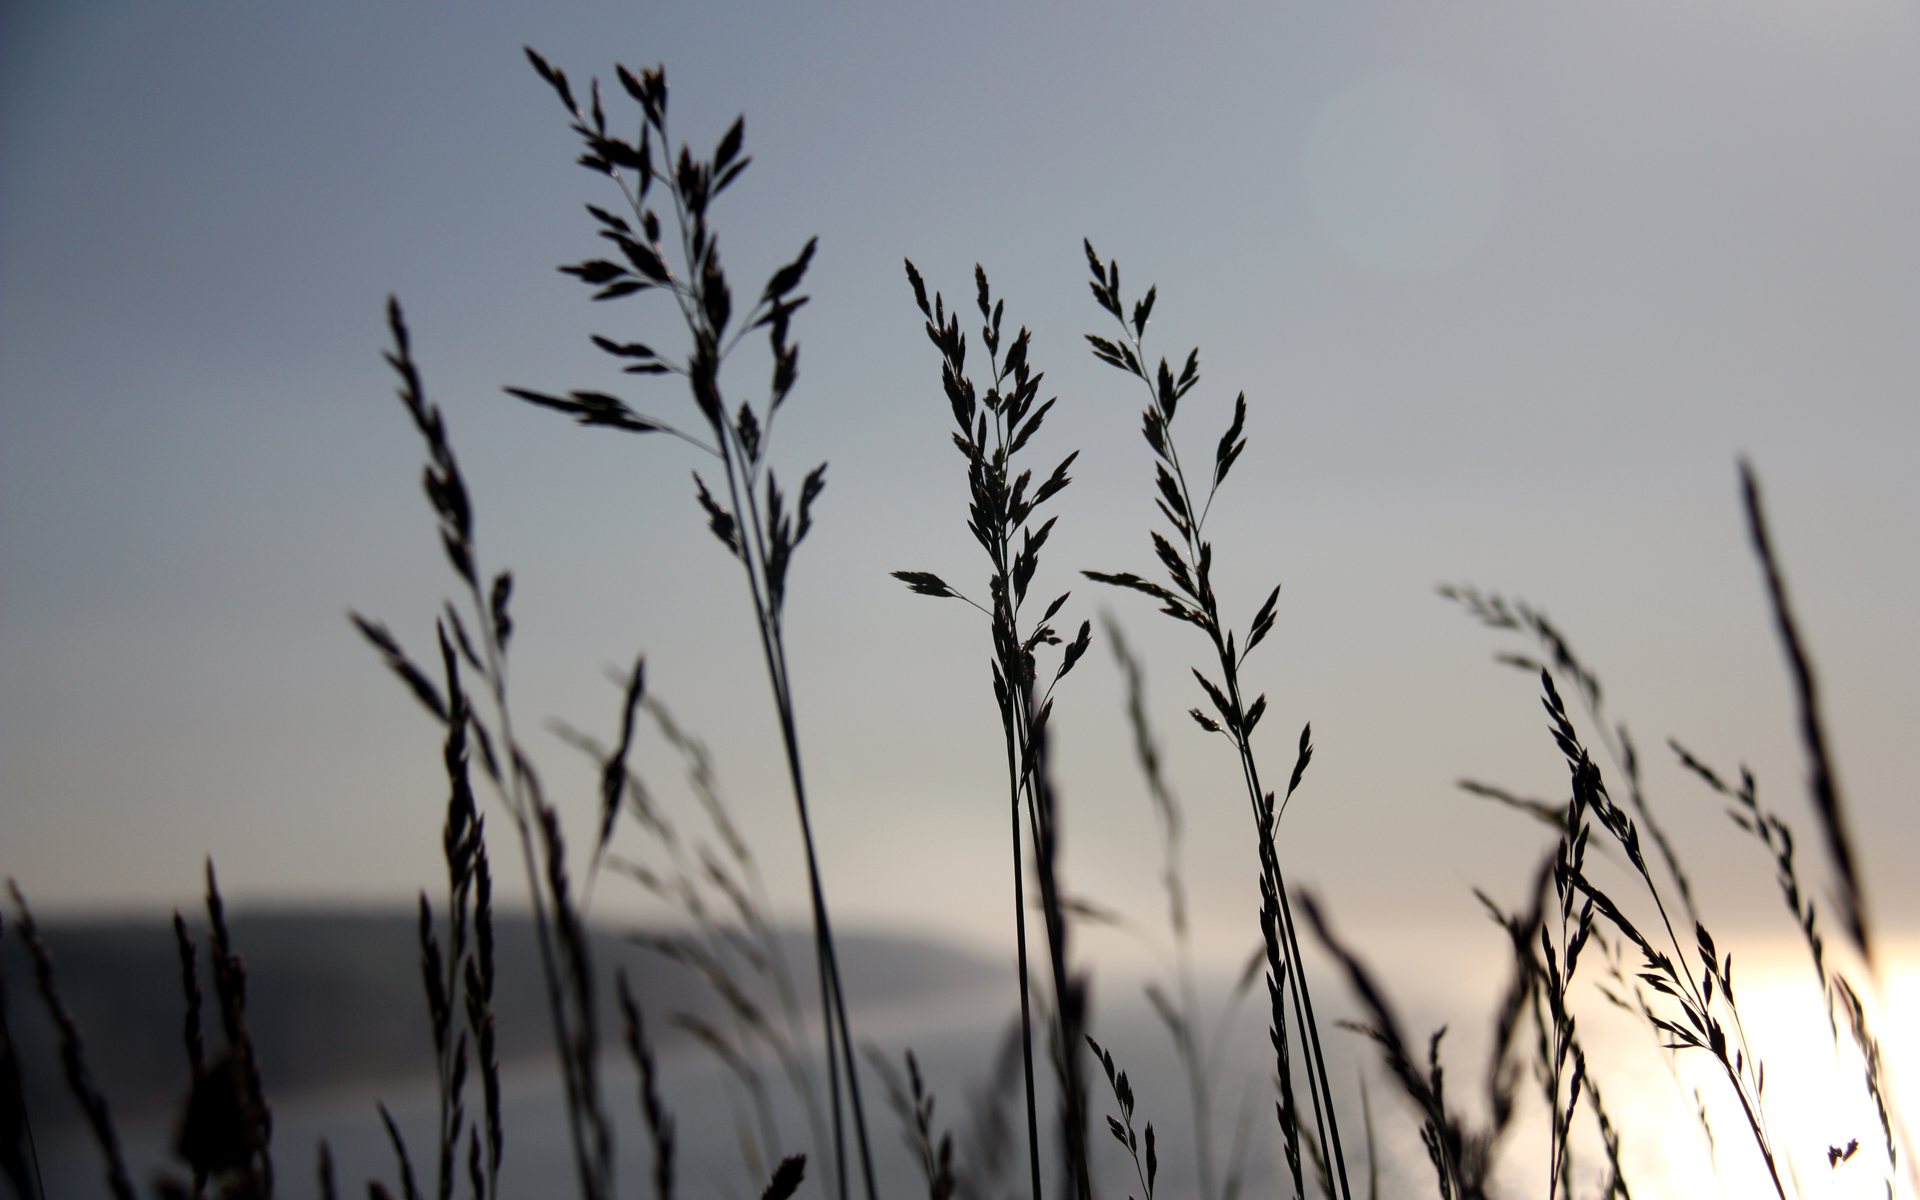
(1814, 1094)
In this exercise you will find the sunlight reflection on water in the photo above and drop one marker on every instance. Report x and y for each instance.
(1813, 1096)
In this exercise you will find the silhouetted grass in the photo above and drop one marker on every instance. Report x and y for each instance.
(758, 530)
(992, 428)
(1197, 1047)
(1189, 568)
(1661, 962)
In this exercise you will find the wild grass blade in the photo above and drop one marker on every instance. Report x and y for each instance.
(1191, 598)
(992, 426)
(564, 971)
(73, 1056)
(19, 1157)
(1822, 786)
(750, 515)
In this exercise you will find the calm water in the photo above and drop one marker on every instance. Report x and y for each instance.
(1651, 1100)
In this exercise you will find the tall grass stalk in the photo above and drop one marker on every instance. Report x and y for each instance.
(19, 1156)
(73, 1059)
(459, 982)
(992, 429)
(756, 526)
(566, 967)
(1189, 567)
(1197, 1050)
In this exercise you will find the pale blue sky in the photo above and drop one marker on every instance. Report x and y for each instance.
(1508, 286)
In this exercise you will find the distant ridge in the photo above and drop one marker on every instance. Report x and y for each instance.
(334, 998)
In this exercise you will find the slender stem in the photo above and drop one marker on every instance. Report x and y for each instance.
(839, 1041)
(1019, 766)
(1020, 939)
(1319, 1087)
(518, 802)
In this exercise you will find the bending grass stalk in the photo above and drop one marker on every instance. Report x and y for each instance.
(1822, 786)
(1182, 1024)
(569, 1002)
(1699, 1027)
(1494, 612)
(73, 1058)
(714, 950)
(1189, 568)
(1122, 1127)
(990, 441)
(19, 1157)
(762, 535)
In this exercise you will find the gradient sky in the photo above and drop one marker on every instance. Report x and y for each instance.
(1508, 286)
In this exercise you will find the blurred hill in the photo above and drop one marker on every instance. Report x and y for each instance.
(335, 999)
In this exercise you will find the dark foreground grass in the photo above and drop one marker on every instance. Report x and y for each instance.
(991, 430)
(1659, 960)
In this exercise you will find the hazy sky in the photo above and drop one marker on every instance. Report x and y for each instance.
(1508, 286)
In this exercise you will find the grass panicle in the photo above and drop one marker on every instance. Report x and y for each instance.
(1146, 1170)
(73, 1054)
(227, 1134)
(1696, 1019)
(565, 972)
(1191, 598)
(758, 523)
(992, 426)
(459, 983)
(913, 1105)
